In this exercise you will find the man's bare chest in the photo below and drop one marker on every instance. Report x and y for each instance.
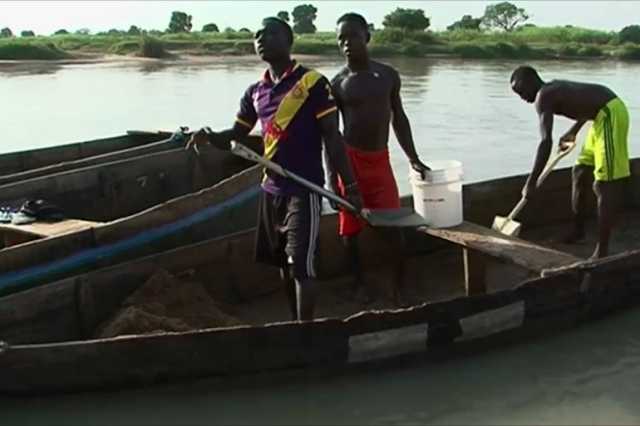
(365, 88)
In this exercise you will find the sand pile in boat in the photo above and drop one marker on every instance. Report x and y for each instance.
(165, 303)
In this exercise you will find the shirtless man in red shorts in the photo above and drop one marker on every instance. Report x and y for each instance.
(368, 96)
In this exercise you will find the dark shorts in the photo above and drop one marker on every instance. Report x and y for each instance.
(287, 232)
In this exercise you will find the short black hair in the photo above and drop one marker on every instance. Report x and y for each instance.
(526, 73)
(355, 18)
(282, 24)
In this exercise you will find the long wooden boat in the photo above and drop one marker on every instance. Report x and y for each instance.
(109, 202)
(472, 288)
(140, 212)
(21, 165)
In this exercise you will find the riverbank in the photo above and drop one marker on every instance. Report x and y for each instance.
(526, 43)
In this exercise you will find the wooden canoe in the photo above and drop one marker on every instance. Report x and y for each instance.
(148, 213)
(21, 165)
(472, 289)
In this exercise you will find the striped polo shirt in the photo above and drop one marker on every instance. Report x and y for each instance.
(299, 149)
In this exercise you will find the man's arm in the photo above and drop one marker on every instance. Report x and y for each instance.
(544, 149)
(570, 135)
(402, 128)
(245, 121)
(331, 172)
(332, 175)
(238, 133)
(337, 158)
(222, 140)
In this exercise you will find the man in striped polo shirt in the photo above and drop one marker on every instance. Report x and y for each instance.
(604, 154)
(297, 112)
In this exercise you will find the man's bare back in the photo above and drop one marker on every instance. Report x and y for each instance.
(604, 158)
(577, 101)
(365, 100)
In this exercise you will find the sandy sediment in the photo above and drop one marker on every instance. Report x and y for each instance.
(163, 304)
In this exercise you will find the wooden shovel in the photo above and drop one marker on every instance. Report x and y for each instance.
(507, 225)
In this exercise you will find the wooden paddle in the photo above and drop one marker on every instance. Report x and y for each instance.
(401, 217)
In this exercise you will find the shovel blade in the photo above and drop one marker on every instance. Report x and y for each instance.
(396, 218)
(506, 226)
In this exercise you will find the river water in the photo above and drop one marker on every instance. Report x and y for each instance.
(461, 110)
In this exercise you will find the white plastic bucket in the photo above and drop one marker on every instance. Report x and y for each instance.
(438, 198)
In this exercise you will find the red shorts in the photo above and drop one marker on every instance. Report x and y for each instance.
(372, 171)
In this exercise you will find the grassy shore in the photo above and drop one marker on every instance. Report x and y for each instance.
(525, 43)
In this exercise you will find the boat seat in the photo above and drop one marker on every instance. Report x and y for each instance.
(18, 234)
(479, 242)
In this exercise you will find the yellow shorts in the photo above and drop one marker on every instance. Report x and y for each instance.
(605, 148)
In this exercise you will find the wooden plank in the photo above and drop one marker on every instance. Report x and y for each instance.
(546, 295)
(48, 229)
(178, 207)
(16, 162)
(523, 253)
(625, 261)
(45, 314)
(12, 239)
(147, 359)
(109, 150)
(113, 189)
(44, 250)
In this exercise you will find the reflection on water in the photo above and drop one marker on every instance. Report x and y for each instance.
(17, 69)
(153, 66)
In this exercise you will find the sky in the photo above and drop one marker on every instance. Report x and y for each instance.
(45, 17)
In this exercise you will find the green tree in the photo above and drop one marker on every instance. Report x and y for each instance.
(371, 27)
(630, 34)
(244, 30)
(229, 30)
(114, 31)
(303, 17)
(83, 31)
(408, 19)
(61, 32)
(284, 15)
(6, 32)
(466, 23)
(133, 30)
(27, 33)
(180, 23)
(210, 28)
(504, 16)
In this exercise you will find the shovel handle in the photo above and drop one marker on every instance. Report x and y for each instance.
(248, 154)
(561, 153)
(516, 209)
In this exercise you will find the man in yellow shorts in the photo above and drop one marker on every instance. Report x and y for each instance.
(604, 154)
